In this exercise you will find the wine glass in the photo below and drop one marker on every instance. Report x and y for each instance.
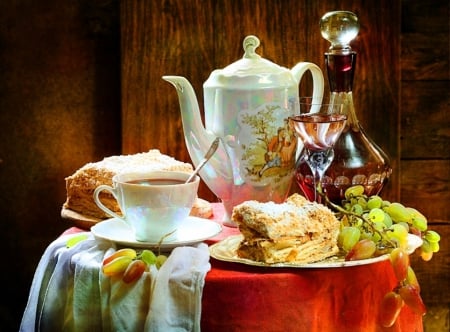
(318, 126)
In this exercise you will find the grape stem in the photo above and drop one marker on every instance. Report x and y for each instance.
(349, 213)
(162, 240)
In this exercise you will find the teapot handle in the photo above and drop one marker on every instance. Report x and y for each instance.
(317, 76)
(318, 85)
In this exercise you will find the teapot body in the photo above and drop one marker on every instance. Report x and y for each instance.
(259, 143)
(247, 105)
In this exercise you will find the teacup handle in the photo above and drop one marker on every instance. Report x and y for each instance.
(318, 82)
(99, 203)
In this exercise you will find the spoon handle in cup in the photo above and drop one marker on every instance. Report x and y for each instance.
(212, 149)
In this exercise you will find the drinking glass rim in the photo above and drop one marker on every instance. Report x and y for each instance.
(318, 117)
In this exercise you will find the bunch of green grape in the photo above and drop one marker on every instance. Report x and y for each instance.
(371, 226)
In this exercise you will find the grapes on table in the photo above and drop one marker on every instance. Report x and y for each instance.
(131, 265)
(371, 226)
(387, 224)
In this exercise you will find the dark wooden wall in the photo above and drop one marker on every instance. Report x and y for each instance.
(59, 109)
(81, 80)
(424, 137)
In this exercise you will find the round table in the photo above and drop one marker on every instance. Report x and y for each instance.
(238, 297)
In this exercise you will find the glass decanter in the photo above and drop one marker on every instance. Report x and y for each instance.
(357, 159)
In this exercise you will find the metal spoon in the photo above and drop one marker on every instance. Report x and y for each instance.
(209, 153)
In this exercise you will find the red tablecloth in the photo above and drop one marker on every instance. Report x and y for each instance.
(238, 297)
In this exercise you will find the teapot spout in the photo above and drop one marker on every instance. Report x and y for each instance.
(198, 139)
(190, 112)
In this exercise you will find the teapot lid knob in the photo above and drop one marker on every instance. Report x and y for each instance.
(250, 44)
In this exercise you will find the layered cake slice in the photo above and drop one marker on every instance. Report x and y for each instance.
(297, 231)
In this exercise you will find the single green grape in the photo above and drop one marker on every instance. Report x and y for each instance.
(418, 220)
(160, 260)
(362, 202)
(387, 220)
(432, 236)
(354, 191)
(420, 224)
(405, 225)
(374, 202)
(76, 239)
(434, 246)
(426, 246)
(347, 206)
(399, 234)
(148, 257)
(385, 203)
(398, 212)
(348, 237)
(376, 215)
(411, 278)
(357, 209)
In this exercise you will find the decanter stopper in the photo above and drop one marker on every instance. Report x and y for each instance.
(339, 28)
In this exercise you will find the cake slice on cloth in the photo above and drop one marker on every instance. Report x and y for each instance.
(296, 231)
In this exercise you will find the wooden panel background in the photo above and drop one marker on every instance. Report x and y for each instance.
(59, 109)
(425, 140)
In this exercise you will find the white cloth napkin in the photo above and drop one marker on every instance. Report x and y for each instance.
(70, 293)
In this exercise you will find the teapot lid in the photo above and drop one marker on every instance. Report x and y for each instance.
(250, 72)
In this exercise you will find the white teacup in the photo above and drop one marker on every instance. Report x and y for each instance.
(153, 203)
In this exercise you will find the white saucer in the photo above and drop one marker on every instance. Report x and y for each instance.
(193, 230)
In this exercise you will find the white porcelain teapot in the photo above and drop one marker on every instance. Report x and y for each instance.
(247, 105)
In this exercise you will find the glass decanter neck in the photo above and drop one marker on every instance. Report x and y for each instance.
(340, 70)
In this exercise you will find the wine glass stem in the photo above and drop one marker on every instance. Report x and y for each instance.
(318, 176)
(318, 162)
